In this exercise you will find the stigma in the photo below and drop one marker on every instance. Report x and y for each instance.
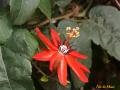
(63, 49)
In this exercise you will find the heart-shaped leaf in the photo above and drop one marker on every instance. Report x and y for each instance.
(104, 28)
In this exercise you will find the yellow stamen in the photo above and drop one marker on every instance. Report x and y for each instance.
(72, 32)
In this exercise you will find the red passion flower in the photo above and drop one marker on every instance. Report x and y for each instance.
(60, 54)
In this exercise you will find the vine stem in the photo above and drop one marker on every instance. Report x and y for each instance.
(38, 69)
(82, 14)
(118, 4)
(66, 16)
(86, 9)
(56, 19)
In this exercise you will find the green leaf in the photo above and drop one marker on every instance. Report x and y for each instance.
(18, 70)
(104, 29)
(62, 3)
(21, 10)
(45, 7)
(22, 42)
(4, 80)
(82, 44)
(5, 28)
(16, 55)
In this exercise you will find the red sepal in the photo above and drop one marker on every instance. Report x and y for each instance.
(76, 68)
(77, 55)
(45, 40)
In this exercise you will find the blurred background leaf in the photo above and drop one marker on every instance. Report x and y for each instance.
(21, 10)
(22, 42)
(5, 84)
(46, 8)
(3, 3)
(17, 53)
(18, 70)
(104, 29)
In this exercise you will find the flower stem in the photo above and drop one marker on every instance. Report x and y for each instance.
(66, 42)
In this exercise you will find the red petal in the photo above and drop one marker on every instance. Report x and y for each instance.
(77, 55)
(62, 72)
(52, 61)
(84, 68)
(45, 40)
(55, 61)
(43, 56)
(55, 37)
(76, 68)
